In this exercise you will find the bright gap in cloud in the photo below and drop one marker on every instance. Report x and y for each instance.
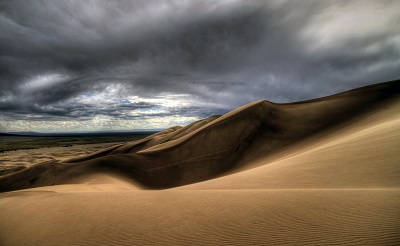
(42, 81)
(98, 123)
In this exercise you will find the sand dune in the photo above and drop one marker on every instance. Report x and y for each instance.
(208, 148)
(319, 172)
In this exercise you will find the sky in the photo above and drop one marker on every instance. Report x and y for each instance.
(76, 66)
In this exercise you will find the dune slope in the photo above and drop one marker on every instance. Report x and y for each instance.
(224, 217)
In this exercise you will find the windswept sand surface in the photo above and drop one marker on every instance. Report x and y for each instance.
(321, 172)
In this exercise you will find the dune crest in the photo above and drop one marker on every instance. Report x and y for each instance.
(209, 148)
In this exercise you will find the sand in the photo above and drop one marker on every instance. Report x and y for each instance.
(333, 182)
(33, 156)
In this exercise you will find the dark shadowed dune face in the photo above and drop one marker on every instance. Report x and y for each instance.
(208, 148)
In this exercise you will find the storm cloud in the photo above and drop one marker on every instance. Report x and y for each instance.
(152, 64)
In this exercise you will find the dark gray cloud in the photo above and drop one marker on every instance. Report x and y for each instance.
(75, 60)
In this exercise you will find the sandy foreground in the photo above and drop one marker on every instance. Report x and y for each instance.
(338, 187)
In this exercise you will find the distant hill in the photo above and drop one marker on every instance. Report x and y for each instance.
(80, 134)
(8, 134)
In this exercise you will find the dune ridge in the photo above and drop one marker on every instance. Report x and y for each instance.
(209, 148)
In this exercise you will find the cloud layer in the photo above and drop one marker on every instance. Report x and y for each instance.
(68, 65)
